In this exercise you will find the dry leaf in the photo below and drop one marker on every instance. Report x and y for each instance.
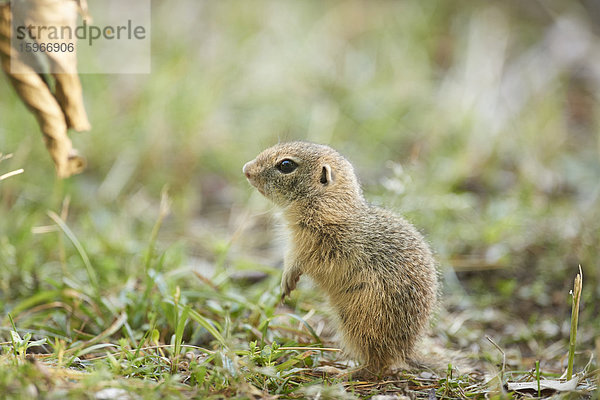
(55, 112)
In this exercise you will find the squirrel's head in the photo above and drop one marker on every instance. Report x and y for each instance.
(304, 173)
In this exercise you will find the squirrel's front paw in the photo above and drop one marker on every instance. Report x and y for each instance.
(288, 282)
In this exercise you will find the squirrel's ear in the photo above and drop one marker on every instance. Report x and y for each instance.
(326, 175)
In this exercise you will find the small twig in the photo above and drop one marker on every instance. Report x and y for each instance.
(311, 348)
(12, 173)
(205, 280)
(114, 327)
(158, 347)
(5, 156)
(503, 358)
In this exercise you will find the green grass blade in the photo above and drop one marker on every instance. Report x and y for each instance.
(180, 328)
(204, 322)
(42, 297)
(86, 260)
(574, 318)
(307, 325)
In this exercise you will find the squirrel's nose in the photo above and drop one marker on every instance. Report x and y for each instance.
(246, 169)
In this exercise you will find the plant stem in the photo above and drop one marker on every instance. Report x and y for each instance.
(574, 317)
(537, 375)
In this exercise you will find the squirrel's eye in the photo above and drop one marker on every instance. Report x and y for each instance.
(287, 166)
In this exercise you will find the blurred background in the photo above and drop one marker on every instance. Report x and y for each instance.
(478, 121)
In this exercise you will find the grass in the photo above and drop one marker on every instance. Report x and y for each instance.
(460, 118)
(574, 320)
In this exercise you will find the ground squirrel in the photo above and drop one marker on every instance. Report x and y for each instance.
(376, 268)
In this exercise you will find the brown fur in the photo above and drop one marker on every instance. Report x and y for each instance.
(376, 268)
